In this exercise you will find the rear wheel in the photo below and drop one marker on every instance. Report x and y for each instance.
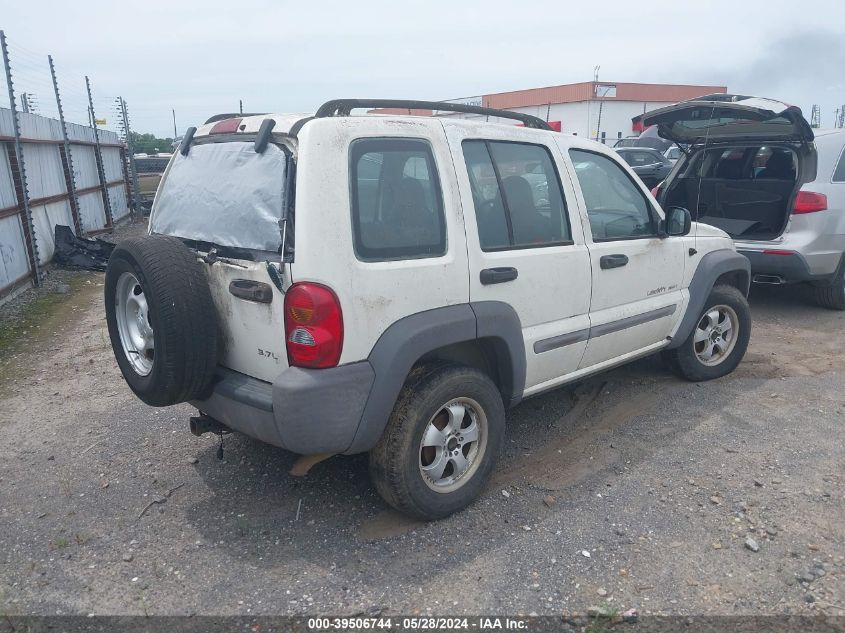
(832, 295)
(441, 442)
(718, 341)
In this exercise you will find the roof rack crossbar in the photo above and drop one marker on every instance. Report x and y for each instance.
(343, 107)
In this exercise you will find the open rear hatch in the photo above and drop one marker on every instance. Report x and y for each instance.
(735, 118)
(726, 179)
(227, 197)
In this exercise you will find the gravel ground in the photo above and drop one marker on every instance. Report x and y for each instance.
(631, 489)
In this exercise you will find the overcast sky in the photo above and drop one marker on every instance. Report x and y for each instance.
(201, 57)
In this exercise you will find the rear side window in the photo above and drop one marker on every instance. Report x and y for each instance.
(839, 174)
(516, 194)
(397, 207)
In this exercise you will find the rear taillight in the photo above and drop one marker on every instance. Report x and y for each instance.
(656, 190)
(226, 126)
(313, 326)
(809, 202)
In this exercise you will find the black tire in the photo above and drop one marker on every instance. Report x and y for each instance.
(832, 294)
(181, 314)
(685, 361)
(395, 462)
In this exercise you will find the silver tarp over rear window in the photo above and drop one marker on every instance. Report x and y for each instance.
(224, 193)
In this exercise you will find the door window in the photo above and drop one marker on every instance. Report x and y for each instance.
(617, 208)
(640, 159)
(397, 208)
(517, 195)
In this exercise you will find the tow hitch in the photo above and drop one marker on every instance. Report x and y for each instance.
(201, 424)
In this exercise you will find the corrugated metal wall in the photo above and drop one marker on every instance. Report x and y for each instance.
(47, 189)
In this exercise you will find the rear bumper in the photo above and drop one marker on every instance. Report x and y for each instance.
(789, 267)
(306, 411)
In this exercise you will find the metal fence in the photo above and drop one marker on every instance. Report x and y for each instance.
(53, 171)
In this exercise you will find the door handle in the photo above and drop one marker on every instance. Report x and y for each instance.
(613, 261)
(251, 290)
(498, 275)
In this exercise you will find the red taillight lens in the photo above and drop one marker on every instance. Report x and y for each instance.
(656, 191)
(313, 326)
(226, 126)
(778, 251)
(809, 202)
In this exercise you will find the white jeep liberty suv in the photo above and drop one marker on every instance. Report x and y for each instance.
(391, 284)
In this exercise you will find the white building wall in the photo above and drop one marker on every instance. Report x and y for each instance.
(582, 118)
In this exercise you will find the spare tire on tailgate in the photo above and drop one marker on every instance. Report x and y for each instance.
(161, 319)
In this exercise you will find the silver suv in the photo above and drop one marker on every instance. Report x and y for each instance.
(752, 169)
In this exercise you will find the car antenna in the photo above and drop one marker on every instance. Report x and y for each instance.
(694, 248)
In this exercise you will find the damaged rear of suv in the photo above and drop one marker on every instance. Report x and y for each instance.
(747, 167)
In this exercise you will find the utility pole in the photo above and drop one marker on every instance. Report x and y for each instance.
(241, 106)
(175, 133)
(601, 102)
(595, 95)
(136, 201)
(67, 158)
(99, 155)
(16, 163)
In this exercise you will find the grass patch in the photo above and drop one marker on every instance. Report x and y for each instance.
(40, 312)
(59, 543)
(34, 315)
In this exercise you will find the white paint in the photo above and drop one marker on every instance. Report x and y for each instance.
(559, 289)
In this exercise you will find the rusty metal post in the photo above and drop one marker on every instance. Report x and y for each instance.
(136, 196)
(16, 162)
(67, 157)
(99, 153)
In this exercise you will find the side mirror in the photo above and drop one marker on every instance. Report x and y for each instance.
(678, 221)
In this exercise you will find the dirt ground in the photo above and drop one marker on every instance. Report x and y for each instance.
(631, 489)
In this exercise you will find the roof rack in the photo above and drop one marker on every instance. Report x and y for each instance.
(342, 107)
(232, 115)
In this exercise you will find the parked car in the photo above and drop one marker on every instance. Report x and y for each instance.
(628, 141)
(754, 171)
(673, 154)
(649, 164)
(150, 170)
(391, 284)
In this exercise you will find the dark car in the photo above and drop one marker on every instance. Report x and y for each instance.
(649, 164)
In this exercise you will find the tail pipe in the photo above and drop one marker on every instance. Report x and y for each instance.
(201, 424)
(768, 279)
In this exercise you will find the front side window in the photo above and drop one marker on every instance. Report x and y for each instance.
(517, 195)
(617, 208)
(397, 207)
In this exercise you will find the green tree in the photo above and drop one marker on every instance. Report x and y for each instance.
(150, 143)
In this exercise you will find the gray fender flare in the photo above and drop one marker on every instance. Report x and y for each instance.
(406, 341)
(712, 266)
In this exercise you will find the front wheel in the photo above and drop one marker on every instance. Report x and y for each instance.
(441, 442)
(718, 342)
